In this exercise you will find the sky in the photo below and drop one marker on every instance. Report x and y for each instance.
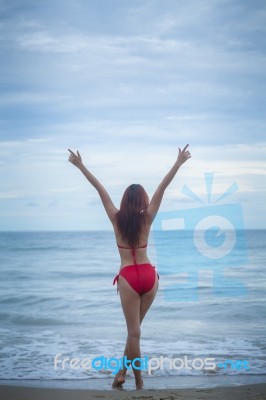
(127, 83)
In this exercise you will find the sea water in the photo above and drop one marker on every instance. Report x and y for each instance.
(57, 296)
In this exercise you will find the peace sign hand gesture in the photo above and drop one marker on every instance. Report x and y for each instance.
(75, 159)
(183, 155)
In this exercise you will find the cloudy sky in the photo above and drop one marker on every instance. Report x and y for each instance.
(127, 83)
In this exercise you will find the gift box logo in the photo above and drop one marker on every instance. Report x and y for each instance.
(209, 237)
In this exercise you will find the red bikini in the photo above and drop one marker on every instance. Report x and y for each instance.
(141, 277)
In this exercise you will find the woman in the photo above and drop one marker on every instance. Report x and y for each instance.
(137, 279)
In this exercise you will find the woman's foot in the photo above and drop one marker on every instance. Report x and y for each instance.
(119, 380)
(139, 384)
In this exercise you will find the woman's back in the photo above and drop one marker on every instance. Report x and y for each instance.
(133, 255)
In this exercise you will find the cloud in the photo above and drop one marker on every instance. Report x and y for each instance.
(127, 84)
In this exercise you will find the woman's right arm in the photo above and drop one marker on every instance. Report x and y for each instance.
(156, 200)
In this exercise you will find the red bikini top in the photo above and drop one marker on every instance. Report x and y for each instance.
(133, 249)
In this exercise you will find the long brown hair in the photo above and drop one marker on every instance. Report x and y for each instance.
(131, 217)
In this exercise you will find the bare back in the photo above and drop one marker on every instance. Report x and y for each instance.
(141, 253)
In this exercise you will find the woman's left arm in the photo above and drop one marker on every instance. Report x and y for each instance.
(110, 209)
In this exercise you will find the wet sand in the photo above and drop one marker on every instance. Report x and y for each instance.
(243, 392)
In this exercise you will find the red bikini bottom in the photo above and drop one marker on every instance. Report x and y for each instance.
(141, 277)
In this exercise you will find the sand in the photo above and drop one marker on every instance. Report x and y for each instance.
(243, 392)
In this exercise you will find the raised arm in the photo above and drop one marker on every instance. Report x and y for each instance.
(110, 209)
(156, 200)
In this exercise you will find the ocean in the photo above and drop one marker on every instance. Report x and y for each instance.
(57, 297)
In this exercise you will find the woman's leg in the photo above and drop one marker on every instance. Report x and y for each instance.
(146, 300)
(130, 301)
(121, 374)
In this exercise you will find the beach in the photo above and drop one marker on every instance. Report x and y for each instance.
(162, 388)
(244, 392)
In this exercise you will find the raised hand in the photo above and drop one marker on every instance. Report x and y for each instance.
(75, 159)
(183, 155)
